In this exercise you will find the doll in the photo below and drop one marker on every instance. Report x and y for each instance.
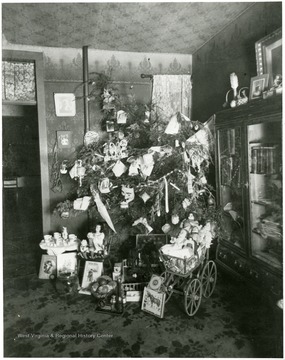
(96, 241)
(84, 249)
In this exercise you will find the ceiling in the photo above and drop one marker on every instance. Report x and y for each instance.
(165, 27)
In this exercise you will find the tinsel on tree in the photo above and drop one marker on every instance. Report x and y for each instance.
(147, 174)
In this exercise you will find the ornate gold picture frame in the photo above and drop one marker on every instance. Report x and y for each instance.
(268, 52)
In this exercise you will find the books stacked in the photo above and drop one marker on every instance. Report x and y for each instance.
(264, 159)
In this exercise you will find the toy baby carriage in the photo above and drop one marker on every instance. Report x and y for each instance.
(192, 277)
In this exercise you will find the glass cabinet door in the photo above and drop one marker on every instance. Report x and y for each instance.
(231, 197)
(265, 191)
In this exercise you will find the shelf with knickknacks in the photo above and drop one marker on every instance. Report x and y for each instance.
(239, 96)
(59, 243)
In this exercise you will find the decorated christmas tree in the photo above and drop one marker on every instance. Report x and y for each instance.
(148, 174)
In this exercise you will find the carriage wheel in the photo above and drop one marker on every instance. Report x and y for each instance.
(167, 284)
(193, 296)
(209, 278)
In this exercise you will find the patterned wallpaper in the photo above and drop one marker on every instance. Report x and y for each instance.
(63, 74)
(232, 50)
(172, 27)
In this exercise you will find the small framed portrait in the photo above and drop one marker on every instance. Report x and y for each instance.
(110, 126)
(64, 139)
(47, 267)
(92, 270)
(257, 85)
(67, 263)
(157, 240)
(153, 302)
(65, 105)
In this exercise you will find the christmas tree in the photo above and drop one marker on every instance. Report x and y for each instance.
(149, 174)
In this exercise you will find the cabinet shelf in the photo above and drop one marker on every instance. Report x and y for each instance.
(263, 202)
(255, 133)
(269, 237)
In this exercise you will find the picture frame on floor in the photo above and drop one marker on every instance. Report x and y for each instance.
(67, 263)
(48, 266)
(153, 302)
(92, 270)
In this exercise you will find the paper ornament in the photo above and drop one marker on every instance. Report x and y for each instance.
(134, 167)
(173, 126)
(119, 168)
(121, 117)
(82, 203)
(145, 197)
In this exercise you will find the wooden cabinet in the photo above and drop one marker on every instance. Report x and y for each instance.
(249, 190)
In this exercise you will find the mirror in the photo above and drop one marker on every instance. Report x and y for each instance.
(268, 52)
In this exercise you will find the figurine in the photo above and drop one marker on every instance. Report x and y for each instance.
(84, 249)
(64, 233)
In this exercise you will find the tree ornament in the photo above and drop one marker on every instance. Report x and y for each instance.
(91, 137)
(166, 228)
(121, 117)
(144, 222)
(186, 203)
(128, 194)
(211, 201)
(175, 219)
(145, 197)
(119, 168)
(105, 186)
(173, 126)
(63, 167)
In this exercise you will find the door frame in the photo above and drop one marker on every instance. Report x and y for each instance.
(37, 58)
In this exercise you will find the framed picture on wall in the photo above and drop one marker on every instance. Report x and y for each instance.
(64, 139)
(65, 104)
(257, 85)
(268, 52)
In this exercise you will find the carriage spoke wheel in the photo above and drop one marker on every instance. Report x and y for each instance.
(167, 284)
(209, 278)
(193, 296)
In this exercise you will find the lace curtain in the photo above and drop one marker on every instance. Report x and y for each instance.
(170, 94)
(18, 81)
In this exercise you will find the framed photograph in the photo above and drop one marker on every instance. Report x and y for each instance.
(92, 270)
(65, 104)
(64, 139)
(268, 52)
(67, 263)
(257, 85)
(153, 302)
(47, 267)
(110, 126)
(158, 240)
